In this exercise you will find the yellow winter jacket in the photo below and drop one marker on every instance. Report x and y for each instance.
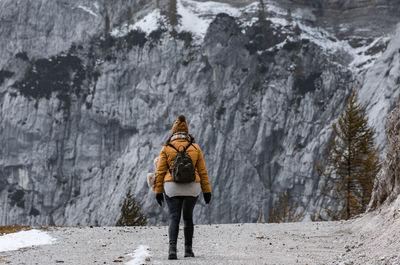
(168, 154)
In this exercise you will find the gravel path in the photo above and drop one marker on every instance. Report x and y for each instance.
(291, 243)
(358, 241)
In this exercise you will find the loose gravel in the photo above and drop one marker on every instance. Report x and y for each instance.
(371, 239)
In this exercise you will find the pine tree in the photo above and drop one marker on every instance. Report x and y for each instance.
(297, 30)
(131, 214)
(289, 17)
(261, 13)
(129, 15)
(370, 169)
(283, 211)
(107, 25)
(172, 14)
(352, 162)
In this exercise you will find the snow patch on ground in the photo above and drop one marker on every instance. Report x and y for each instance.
(24, 239)
(140, 256)
(374, 238)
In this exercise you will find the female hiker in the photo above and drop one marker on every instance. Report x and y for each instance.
(181, 183)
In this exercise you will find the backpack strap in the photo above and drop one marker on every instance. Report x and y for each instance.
(167, 161)
(186, 148)
(169, 168)
(190, 144)
(195, 166)
(173, 147)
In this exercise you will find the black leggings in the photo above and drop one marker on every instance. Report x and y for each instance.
(177, 205)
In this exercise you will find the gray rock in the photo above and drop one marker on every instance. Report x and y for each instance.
(387, 184)
(81, 123)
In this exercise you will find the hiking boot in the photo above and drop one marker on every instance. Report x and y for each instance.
(172, 251)
(188, 231)
(189, 252)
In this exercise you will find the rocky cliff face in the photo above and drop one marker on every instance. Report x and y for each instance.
(45, 28)
(347, 17)
(387, 183)
(82, 119)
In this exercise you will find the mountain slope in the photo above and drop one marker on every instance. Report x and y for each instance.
(82, 123)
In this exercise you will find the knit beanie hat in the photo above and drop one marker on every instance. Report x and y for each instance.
(180, 125)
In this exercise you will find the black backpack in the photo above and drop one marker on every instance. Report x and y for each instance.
(183, 170)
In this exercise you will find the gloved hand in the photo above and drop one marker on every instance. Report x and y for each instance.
(160, 198)
(207, 197)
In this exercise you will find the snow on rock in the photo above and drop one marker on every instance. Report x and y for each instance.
(147, 24)
(190, 19)
(24, 239)
(211, 8)
(381, 87)
(87, 9)
(140, 256)
(194, 17)
(96, 5)
(363, 58)
(276, 106)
